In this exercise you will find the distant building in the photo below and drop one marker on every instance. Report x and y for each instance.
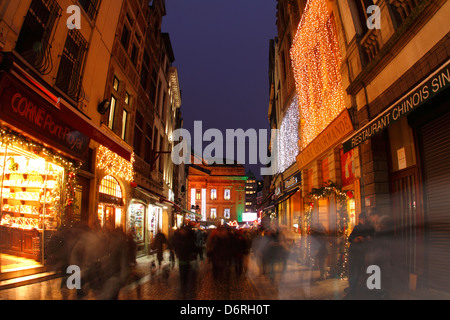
(216, 192)
(251, 186)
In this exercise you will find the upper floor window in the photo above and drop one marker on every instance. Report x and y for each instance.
(34, 41)
(90, 7)
(71, 65)
(213, 194)
(227, 194)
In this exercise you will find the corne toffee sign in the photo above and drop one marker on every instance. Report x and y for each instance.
(30, 113)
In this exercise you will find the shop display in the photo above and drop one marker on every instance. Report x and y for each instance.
(136, 221)
(30, 196)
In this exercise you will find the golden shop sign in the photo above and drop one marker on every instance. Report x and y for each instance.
(336, 130)
(425, 91)
(28, 112)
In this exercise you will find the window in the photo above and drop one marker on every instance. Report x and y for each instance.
(71, 65)
(213, 213)
(112, 112)
(213, 194)
(138, 127)
(33, 43)
(227, 213)
(148, 143)
(145, 69)
(134, 54)
(116, 84)
(90, 7)
(227, 194)
(110, 186)
(124, 124)
(127, 98)
(198, 194)
(125, 37)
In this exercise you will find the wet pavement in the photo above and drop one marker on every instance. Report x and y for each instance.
(297, 282)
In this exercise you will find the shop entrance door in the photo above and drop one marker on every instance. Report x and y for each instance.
(407, 214)
(110, 215)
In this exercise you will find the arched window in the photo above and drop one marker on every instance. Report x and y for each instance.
(110, 186)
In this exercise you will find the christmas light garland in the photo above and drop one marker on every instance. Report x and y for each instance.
(343, 231)
(287, 139)
(113, 164)
(316, 64)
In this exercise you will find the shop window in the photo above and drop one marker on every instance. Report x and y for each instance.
(227, 194)
(31, 196)
(33, 43)
(71, 65)
(136, 221)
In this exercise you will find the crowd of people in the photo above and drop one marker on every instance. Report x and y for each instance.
(106, 257)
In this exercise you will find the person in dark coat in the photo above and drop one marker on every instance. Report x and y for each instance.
(186, 251)
(160, 242)
(319, 247)
(360, 240)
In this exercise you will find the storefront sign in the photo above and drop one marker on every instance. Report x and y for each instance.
(434, 84)
(30, 113)
(336, 130)
(292, 181)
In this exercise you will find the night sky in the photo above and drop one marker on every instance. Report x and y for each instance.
(222, 54)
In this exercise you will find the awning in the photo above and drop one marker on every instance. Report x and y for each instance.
(191, 212)
(286, 196)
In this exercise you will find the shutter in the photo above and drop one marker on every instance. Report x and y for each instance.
(435, 138)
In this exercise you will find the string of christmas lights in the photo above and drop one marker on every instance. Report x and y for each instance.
(113, 164)
(287, 139)
(316, 64)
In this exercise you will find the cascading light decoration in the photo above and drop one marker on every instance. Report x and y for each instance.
(287, 139)
(316, 64)
(113, 164)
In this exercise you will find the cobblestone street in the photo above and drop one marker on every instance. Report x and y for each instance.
(164, 284)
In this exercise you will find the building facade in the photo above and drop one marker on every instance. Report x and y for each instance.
(373, 102)
(216, 192)
(73, 104)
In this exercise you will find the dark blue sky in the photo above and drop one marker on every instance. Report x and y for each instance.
(222, 54)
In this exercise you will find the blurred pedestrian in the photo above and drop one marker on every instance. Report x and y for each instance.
(161, 244)
(359, 240)
(219, 251)
(185, 250)
(319, 247)
(383, 255)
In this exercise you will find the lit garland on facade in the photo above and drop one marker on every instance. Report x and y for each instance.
(343, 231)
(113, 164)
(287, 140)
(316, 63)
(8, 137)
